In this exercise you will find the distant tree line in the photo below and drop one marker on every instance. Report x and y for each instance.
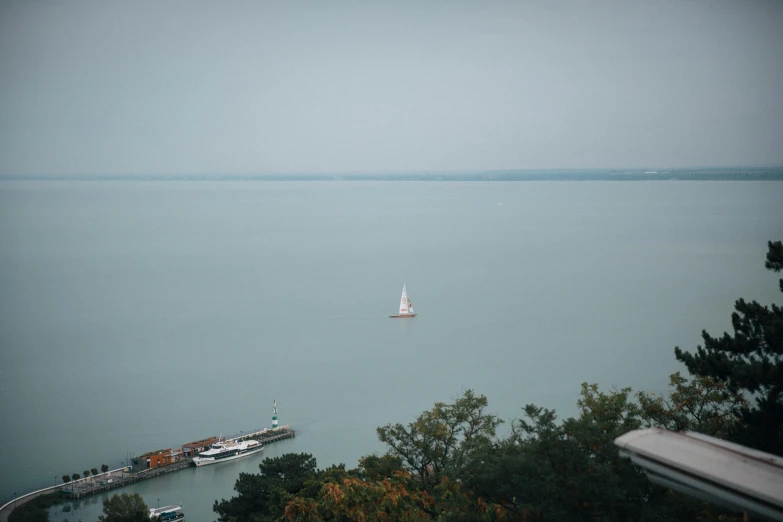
(746, 173)
(448, 464)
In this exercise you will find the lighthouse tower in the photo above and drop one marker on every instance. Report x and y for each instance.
(274, 417)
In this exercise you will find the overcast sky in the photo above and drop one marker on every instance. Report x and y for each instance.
(333, 86)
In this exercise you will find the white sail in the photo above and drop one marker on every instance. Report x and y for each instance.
(405, 303)
(406, 308)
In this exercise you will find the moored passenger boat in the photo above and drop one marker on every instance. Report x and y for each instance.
(222, 451)
(168, 513)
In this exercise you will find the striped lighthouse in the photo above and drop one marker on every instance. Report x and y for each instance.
(274, 417)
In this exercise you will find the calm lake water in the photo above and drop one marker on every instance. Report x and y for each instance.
(143, 315)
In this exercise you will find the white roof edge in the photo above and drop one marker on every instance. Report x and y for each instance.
(724, 472)
(774, 460)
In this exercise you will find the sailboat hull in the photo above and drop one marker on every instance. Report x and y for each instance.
(402, 316)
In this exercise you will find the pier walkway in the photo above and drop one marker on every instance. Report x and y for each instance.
(5, 509)
(118, 478)
(93, 487)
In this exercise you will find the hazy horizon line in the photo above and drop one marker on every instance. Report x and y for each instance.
(401, 172)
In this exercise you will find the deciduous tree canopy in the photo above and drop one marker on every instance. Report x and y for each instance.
(442, 437)
(449, 465)
(125, 507)
(263, 496)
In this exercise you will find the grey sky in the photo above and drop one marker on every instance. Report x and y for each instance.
(178, 87)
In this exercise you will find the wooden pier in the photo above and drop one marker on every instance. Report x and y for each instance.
(122, 477)
(267, 434)
(86, 488)
(126, 477)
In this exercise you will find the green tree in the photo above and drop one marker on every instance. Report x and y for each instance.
(86, 474)
(353, 499)
(263, 496)
(441, 438)
(571, 470)
(373, 467)
(701, 404)
(750, 361)
(94, 471)
(75, 476)
(104, 468)
(124, 507)
(66, 478)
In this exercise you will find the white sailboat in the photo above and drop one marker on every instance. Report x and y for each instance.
(406, 308)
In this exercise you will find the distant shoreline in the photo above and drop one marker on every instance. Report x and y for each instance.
(774, 173)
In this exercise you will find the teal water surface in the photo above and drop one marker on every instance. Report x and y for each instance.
(143, 315)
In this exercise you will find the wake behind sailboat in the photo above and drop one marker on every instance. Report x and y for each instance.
(406, 308)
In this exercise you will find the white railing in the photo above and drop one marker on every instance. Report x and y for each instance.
(33, 494)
